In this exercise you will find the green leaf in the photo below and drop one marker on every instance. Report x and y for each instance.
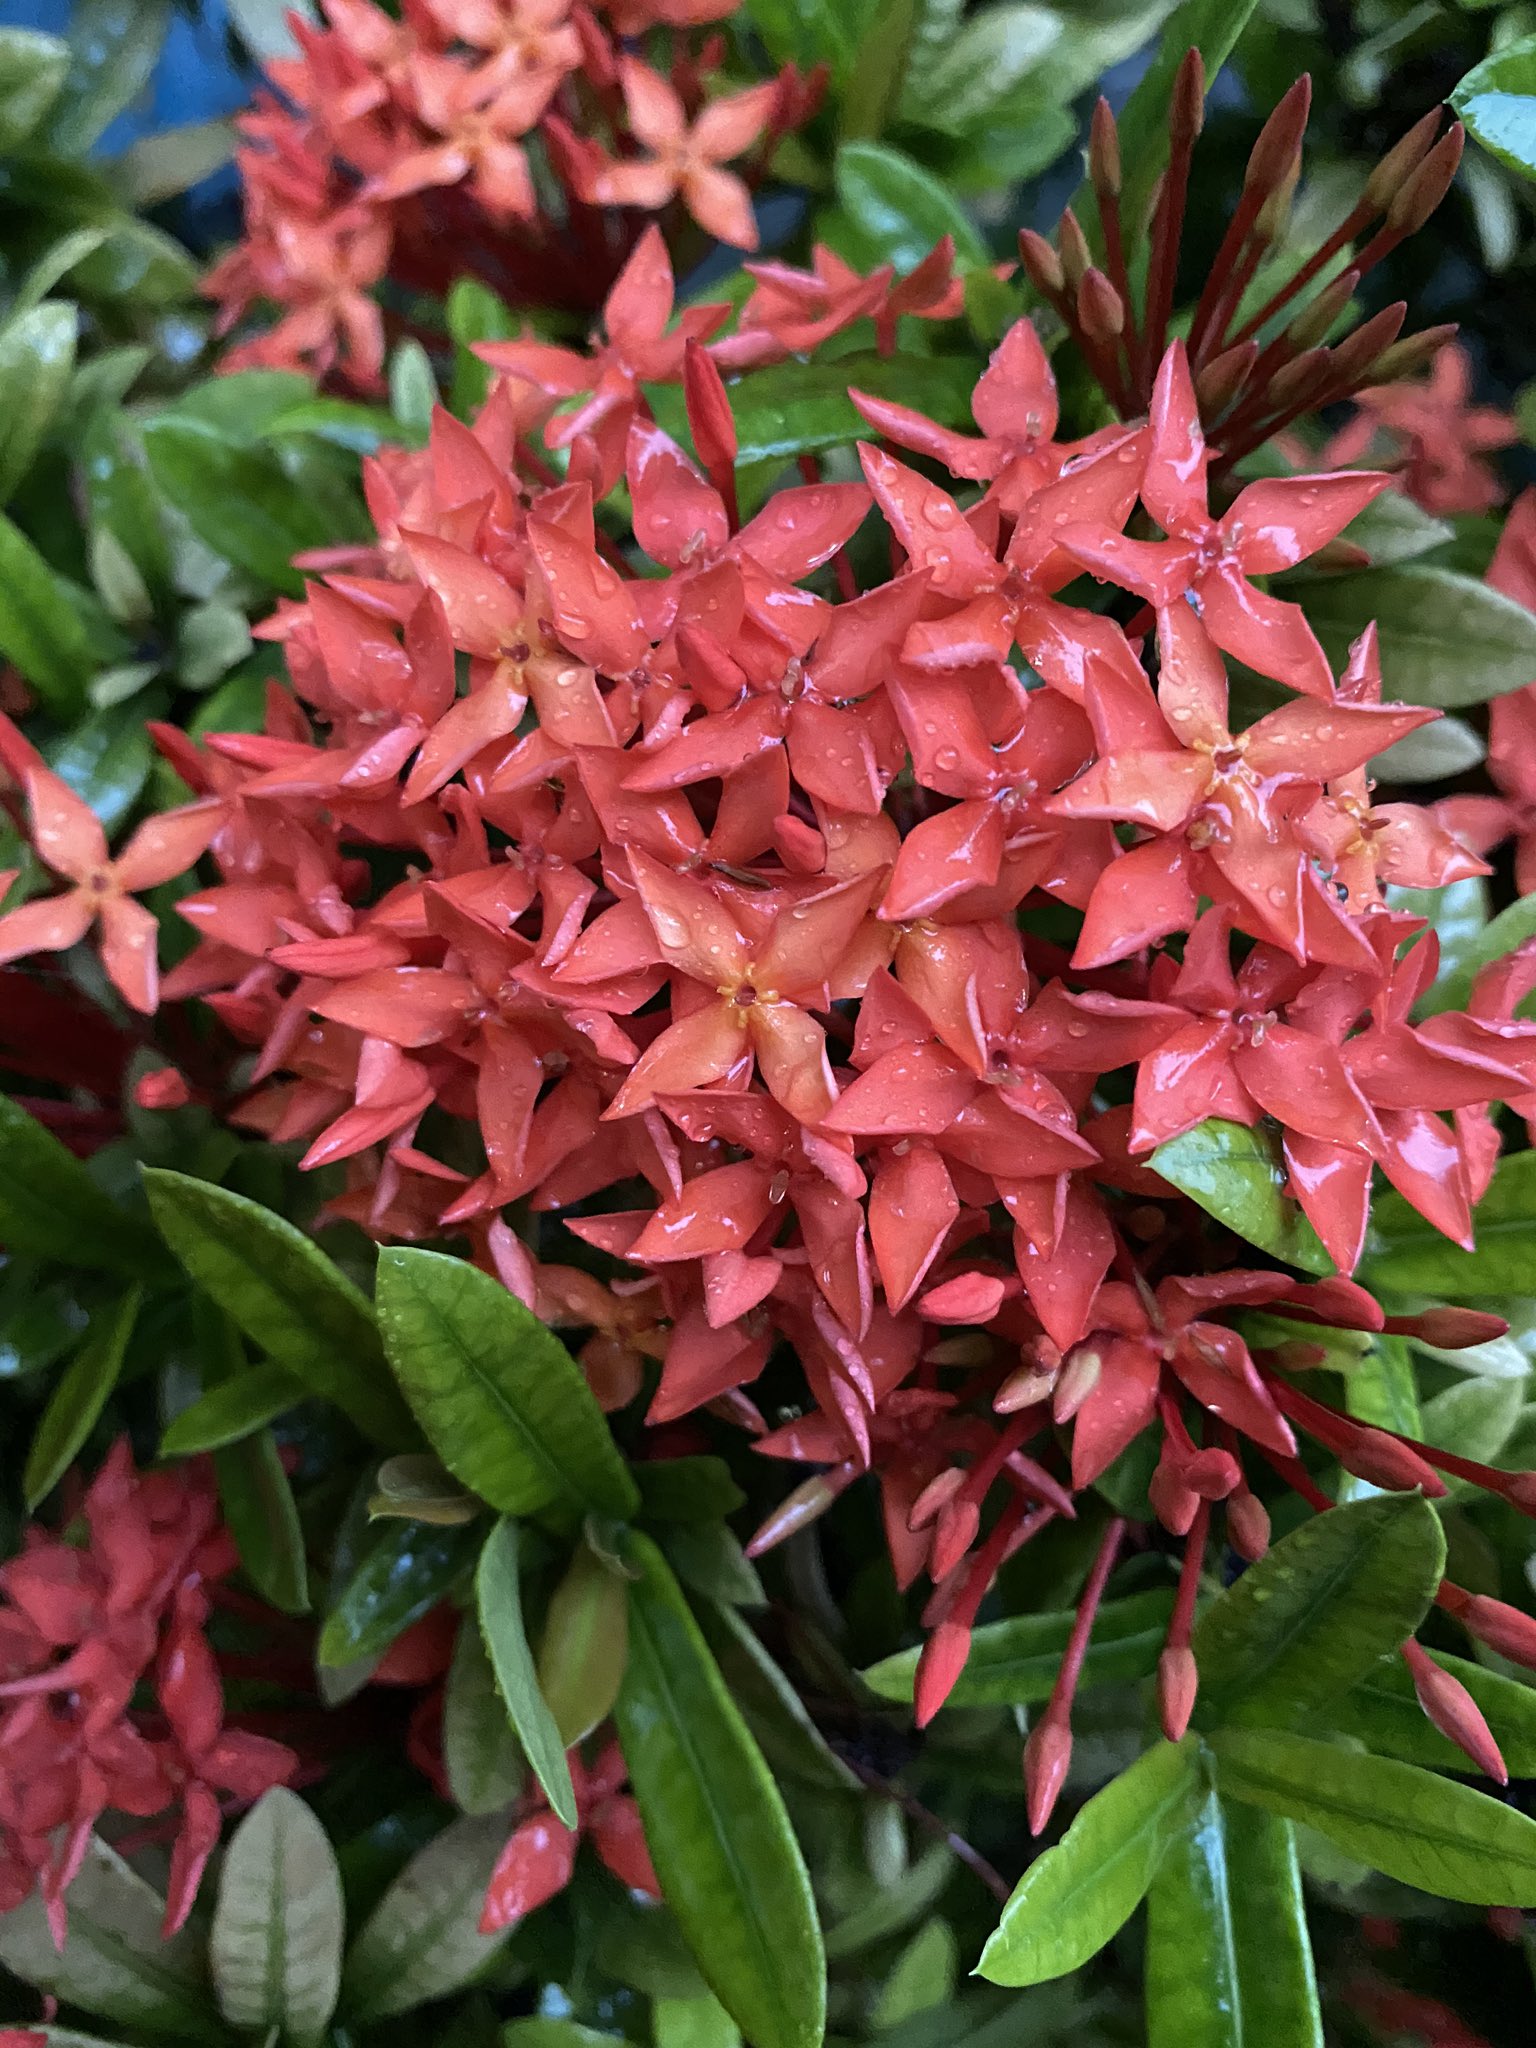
(123, 501)
(1229, 1962)
(1475, 1418)
(115, 45)
(285, 1294)
(420, 1487)
(32, 72)
(584, 1645)
(241, 408)
(50, 1206)
(1236, 1176)
(879, 67)
(1393, 529)
(1311, 1618)
(163, 166)
(922, 1977)
(900, 209)
(37, 358)
(810, 32)
(481, 1755)
(548, 2033)
(1511, 928)
(1075, 1897)
(1446, 639)
(1432, 754)
(263, 1518)
(992, 53)
(1456, 915)
(210, 639)
(405, 1569)
(105, 759)
(423, 1940)
(276, 1940)
(499, 1600)
(1409, 1824)
(76, 1402)
(1404, 1252)
(114, 1961)
(792, 1744)
(237, 1408)
(687, 1489)
(502, 1400)
(412, 387)
(795, 409)
(719, 1836)
(893, 1906)
(360, 429)
(1015, 1662)
(41, 630)
(1212, 27)
(709, 1558)
(1383, 1712)
(238, 501)
(1497, 101)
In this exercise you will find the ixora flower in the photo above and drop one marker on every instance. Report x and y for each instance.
(87, 1630)
(810, 925)
(401, 152)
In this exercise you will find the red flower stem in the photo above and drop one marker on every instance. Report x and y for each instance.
(1297, 1478)
(1167, 230)
(1344, 233)
(1182, 1620)
(1059, 1706)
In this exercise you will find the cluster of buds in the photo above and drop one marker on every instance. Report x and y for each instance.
(517, 141)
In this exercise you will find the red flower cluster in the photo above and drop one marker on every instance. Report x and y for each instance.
(462, 138)
(540, 1855)
(1429, 430)
(83, 1627)
(721, 900)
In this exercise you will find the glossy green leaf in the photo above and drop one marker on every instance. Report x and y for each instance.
(263, 1518)
(1015, 1662)
(33, 67)
(693, 2023)
(404, 1570)
(794, 409)
(285, 1294)
(1393, 529)
(234, 1409)
(423, 1939)
(1409, 1824)
(1405, 1252)
(50, 1206)
(115, 45)
(1475, 1418)
(124, 501)
(1212, 27)
(719, 1836)
(114, 1962)
(1229, 1961)
(921, 1978)
(41, 630)
(1075, 1897)
(899, 209)
(1236, 1176)
(789, 1738)
(242, 406)
(499, 1601)
(481, 1754)
(1455, 914)
(893, 1906)
(550, 2033)
(37, 356)
(1381, 1388)
(210, 639)
(1311, 1618)
(583, 1646)
(807, 32)
(163, 166)
(238, 501)
(502, 1400)
(990, 54)
(1497, 101)
(278, 1924)
(1511, 928)
(1432, 754)
(75, 1405)
(1383, 1712)
(412, 387)
(361, 429)
(105, 759)
(1446, 639)
(708, 1558)
(420, 1488)
(879, 68)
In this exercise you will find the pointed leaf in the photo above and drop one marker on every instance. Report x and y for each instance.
(1497, 101)
(792, 1744)
(499, 1599)
(721, 1841)
(1236, 1176)
(584, 1646)
(405, 1569)
(236, 1408)
(275, 1945)
(1015, 1662)
(263, 1518)
(239, 501)
(1383, 1712)
(1075, 1897)
(481, 1754)
(75, 1405)
(1229, 1961)
(37, 354)
(687, 1489)
(1452, 990)
(899, 209)
(1446, 639)
(502, 1400)
(1409, 1824)
(285, 1294)
(114, 1962)
(423, 1939)
(1404, 1252)
(1311, 1618)
(33, 68)
(50, 1206)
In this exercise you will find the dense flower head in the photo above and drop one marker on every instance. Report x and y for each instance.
(85, 1628)
(513, 140)
(818, 953)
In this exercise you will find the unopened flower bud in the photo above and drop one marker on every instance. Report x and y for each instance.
(1423, 190)
(1022, 1388)
(1100, 309)
(1452, 1709)
(1501, 1627)
(1079, 1377)
(1279, 145)
(1047, 1758)
(1176, 1504)
(1178, 1683)
(1400, 162)
(1219, 381)
(1104, 151)
(1248, 1525)
(1041, 264)
(941, 1663)
(936, 1495)
(1407, 357)
(957, 1526)
(1374, 1455)
(1448, 1329)
(162, 1088)
(1316, 320)
(1075, 255)
(797, 1510)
